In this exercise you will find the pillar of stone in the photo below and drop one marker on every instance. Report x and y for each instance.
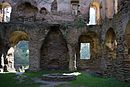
(34, 56)
(72, 60)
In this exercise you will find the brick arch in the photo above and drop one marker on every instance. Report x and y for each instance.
(104, 32)
(110, 44)
(12, 29)
(14, 37)
(96, 6)
(8, 1)
(54, 51)
(32, 2)
(26, 10)
(17, 36)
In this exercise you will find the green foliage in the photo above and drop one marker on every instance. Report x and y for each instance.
(9, 80)
(40, 73)
(87, 80)
(65, 25)
(83, 80)
(79, 22)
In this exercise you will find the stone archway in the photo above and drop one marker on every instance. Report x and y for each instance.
(16, 45)
(5, 13)
(94, 13)
(54, 51)
(91, 63)
(26, 11)
(110, 44)
(110, 54)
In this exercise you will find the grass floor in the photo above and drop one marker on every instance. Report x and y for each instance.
(83, 80)
(9, 80)
(86, 80)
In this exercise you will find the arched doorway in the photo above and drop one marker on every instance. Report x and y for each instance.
(18, 55)
(87, 53)
(5, 13)
(27, 11)
(54, 52)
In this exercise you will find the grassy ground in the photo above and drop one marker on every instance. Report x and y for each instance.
(87, 80)
(83, 80)
(9, 80)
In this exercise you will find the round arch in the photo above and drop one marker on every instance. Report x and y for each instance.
(26, 9)
(5, 13)
(96, 5)
(18, 53)
(17, 36)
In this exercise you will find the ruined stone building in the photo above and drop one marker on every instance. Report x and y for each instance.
(56, 29)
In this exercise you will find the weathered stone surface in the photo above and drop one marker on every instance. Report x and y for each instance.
(58, 77)
(59, 47)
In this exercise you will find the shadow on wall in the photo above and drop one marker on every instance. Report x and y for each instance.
(54, 52)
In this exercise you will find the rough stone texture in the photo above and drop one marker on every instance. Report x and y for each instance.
(107, 57)
(58, 77)
(54, 51)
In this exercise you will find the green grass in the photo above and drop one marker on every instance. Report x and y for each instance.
(9, 80)
(86, 80)
(83, 80)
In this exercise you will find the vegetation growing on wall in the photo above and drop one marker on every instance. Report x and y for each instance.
(79, 22)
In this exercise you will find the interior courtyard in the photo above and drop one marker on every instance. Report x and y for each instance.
(92, 36)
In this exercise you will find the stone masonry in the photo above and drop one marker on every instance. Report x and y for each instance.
(55, 29)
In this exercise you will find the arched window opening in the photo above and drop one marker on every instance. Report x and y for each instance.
(43, 11)
(18, 54)
(5, 12)
(75, 7)
(94, 13)
(92, 16)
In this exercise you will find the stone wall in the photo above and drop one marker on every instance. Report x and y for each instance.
(60, 46)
